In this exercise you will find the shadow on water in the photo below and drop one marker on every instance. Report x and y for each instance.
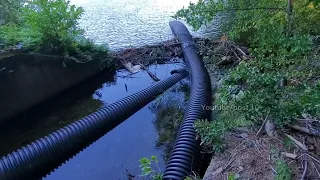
(150, 131)
(169, 110)
(56, 112)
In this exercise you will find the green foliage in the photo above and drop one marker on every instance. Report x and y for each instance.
(51, 27)
(11, 33)
(10, 10)
(282, 78)
(233, 176)
(283, 170)
(211, 133)
(281, 167)
(288, 143)
(56, 21)
(147, 171)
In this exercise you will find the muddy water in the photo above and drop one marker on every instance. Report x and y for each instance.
(121, 148)
(127, 23)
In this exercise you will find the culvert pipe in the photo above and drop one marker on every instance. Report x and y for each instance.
(185, 157)
(42, 156)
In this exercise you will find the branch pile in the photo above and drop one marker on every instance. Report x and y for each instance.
(147, 55)
(221, 52)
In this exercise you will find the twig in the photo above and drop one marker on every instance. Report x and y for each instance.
(126, 77)
(239, 59)
(315, 167)
(273, 169)
(129, 175)
(237, 48)
(231, 159)
(305, 169)
(298, 143)
(154, 77)
(296, 81)
(264, 122)
(312, 157)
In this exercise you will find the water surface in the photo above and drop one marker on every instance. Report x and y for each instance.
(124, 23)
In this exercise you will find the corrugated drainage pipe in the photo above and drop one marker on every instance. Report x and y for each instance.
(39, 158)
(185, 156)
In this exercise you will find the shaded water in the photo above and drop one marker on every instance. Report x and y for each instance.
(121, 148)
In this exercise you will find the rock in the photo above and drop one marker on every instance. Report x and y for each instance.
(270, 128)
(243, 135)
(131, 68)
(218, 171)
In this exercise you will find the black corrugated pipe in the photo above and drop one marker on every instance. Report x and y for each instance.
(39, 158)
(185, 156)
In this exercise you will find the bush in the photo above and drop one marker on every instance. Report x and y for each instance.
(51, 27)
(282, 79)
(56, 21)
(9, 10)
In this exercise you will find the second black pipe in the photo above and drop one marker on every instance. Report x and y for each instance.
(185, 156)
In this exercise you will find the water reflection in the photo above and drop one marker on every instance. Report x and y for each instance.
(169, 109)
(121, 148)
(150, 131)
(53, 114)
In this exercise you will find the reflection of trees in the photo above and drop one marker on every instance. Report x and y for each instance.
(169, 110)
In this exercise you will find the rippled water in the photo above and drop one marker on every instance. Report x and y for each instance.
(124, 23)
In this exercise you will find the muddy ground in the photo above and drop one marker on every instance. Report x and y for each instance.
(248, 156)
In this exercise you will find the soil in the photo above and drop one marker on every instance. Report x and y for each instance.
(253, 157)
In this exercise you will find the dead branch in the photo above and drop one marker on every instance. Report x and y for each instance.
(298, 143)
(304, 130)
(264, 122)
(154, 77)
(315, 167)
(289, 155)
(312, 157)
(305, 169)
(237, 48)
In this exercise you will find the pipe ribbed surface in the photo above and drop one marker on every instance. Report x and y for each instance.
(185, 156)
(39, 158)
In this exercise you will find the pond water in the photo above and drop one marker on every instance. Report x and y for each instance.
(128, 23)
(121, 148)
